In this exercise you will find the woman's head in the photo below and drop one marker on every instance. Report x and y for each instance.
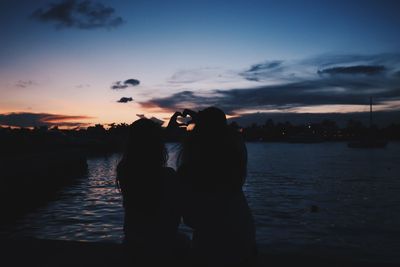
(138, 171)
(210, 119)
(145, 144)
(212, 157)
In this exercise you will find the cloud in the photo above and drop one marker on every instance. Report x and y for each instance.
(24, 84)
(118, 85)
(262, 69)
(280, 97)
(268, 65)
(352, 70)
(331, 60)
(327, 64)
(397, 74)
(179, 101)
(79, 14)
(132, 82)
(272, 70)
(82, 86)
(194, 75)
(125, 100)
(362, 77)
(26, 119)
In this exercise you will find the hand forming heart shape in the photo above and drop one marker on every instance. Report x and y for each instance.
(183, 118)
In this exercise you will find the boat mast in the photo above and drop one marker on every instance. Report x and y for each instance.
(370, 112)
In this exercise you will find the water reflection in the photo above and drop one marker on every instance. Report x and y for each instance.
(321, 194)
(87, 211)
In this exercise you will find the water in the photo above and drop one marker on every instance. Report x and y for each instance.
(325, 195)
(357, 193)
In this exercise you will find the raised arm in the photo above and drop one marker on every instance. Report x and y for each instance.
(173, 123)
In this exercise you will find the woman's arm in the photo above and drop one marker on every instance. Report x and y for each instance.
(173, 123)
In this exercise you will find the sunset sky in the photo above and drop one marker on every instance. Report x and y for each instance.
(75, 63)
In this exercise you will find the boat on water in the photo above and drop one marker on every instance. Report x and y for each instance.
(369, 141)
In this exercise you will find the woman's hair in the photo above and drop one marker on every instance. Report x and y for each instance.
(145, 155)
(145, 145)
(213, 156)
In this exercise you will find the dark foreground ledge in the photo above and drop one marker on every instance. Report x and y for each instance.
(34, 252)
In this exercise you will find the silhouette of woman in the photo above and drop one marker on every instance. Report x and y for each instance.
(149, 191)
(212, 170)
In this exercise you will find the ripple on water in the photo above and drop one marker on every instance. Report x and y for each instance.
(357, 195)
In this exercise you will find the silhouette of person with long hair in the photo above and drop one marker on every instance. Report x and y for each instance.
(212, 170)
(149, 191)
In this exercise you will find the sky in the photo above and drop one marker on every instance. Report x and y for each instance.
(75, 63)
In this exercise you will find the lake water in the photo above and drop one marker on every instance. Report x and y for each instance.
(325, 195)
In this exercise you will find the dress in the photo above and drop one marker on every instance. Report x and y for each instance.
(211, 174)
(223, 228)
(151, 220)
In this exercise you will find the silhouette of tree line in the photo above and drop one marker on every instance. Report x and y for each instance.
(112, 137)
(327, 130)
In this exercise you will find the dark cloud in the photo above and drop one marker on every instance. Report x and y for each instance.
(26, 119)
(286, 96)
(332, 60)
(79, 14)
(181, 100)
(132, 82)
(258, 71)
(269, 65)
(360, 69)
(125, 100)
(310, 90)
(266, 97)
(326, 64)
(118, 85)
